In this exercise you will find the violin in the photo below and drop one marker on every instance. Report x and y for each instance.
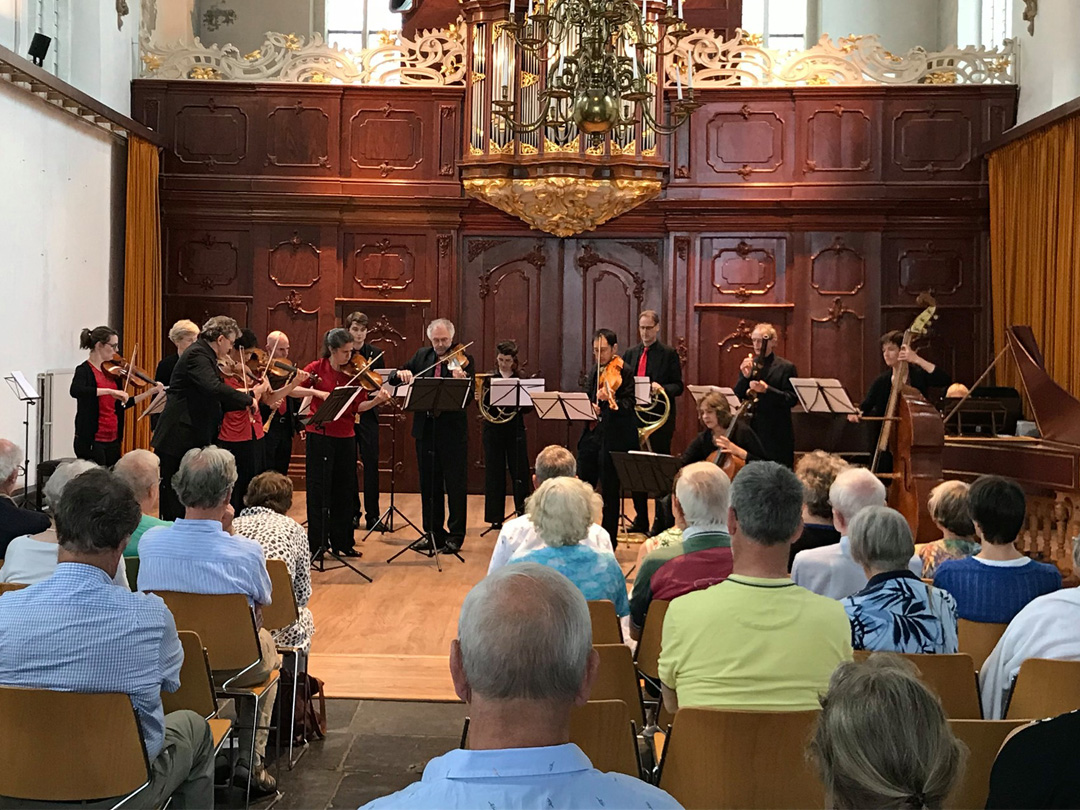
(456, 357)
(364, 370)
(609, 380)
(121, 369)
(279, 371)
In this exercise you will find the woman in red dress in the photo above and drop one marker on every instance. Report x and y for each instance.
(100, 400)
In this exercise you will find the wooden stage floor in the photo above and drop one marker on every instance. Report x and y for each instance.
(390, 639)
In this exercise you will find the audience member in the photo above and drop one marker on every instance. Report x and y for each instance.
(896, 611)
(1037, 766)
(32, 558)
(14, 521)
(757, 640)
(996, 583)
(830, 570)
(948, 508)
(817, 471)
(266, 520)
(700, 505)
(882, 740)
(197, 555)
(518, 536)
(141, 470)
(522, 660)
(1047, 627)
(562, 511)
(77, 632)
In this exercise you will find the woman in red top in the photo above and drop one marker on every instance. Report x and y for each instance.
(331, 450)
(100, 399)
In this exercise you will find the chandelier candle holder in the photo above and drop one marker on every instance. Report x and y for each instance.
(566, 106)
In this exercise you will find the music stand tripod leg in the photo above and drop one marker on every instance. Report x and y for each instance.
(318, 559)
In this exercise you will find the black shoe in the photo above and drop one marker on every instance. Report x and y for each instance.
(639, 527)
(453, 544)
(350, 552)
(377, 525)
(496, 526)
(356, 522)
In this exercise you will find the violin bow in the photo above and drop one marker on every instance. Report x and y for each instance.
(270, 356)
(370, 363)
(131, 365)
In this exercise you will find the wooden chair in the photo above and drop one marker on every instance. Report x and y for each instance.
(983, 739)
(604, 731)
(278, 615)
(648, 649)
(617, 679)
(132, 566)
(605, 624)
(196, 690)
(1044, 688)
(11, 586)
(978, 639)
(36, 725)
(951, 677)
(735, 759)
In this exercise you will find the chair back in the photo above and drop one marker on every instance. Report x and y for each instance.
(131, 564)
(618, 679)
(282, 611)
(224, 622)
(950, 677)
(978, 639)
(11, 586)
(605, 624)
(718, 758)
(983, 739)
(1044, 688)
(648, 649)
(604, 731)
(38, 725)
(196, 690)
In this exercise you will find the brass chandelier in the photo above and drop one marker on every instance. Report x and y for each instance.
(601, 60)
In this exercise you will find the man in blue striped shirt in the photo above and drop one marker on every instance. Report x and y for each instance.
(198, 555)
(78, 632)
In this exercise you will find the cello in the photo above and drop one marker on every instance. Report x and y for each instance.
(726, 461)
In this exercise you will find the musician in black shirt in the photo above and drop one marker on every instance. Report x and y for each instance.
(771, 418)
(922, 374)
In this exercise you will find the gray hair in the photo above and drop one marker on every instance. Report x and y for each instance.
(554, 461)
(855, 489)
(60, 478)
(562, 510)
(881, 539)
(139, 469)
(817, 470)
(703, 491)
(882, 739)
(767, 500)
(205, 478)
(441, 322)
(218, 326)
(183, 329)
(525, 633)
(948, 507)
(11, 456)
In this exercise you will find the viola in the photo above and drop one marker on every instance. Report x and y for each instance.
(364, 369)
(609, 380)
(121, 369)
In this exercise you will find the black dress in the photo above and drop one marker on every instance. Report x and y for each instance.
(771, 419)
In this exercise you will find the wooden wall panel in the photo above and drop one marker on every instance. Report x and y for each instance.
(301, 135)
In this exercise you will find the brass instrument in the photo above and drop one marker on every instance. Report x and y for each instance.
(652, 416)
(497, 415)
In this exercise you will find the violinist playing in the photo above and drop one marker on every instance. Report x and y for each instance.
(610, 386)
(281, 422)
(367, 432)
(766, 376)
(442, 444)
(101, 397)
(331, 449)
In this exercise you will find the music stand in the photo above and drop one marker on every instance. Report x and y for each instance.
(435, 396)
(699, 392)
(651, 473)
(822, 395)
(569, 406)
(27, 394)
(516, 393)
(331, 409)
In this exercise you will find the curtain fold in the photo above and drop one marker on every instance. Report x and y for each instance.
(142, 275)
(1035, 247)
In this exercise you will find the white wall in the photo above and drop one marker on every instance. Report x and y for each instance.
(900, 25)
(1049, 60)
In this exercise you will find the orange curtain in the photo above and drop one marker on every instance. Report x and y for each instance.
(1035, 247)
(142, 274)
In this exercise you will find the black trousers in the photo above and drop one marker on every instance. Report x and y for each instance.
(278, 446)
(367, 448)
(442, 455)
(588, 457)
(171, 508)
(610, 491)
(104, 453)
(331, 482)
(505, 449)
(660, 442)
(250, 461)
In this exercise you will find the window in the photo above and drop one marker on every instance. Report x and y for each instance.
(996, 22)
(357, 24)
(782, 23)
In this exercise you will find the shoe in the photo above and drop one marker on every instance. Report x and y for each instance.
(351, 552)
(453, 545)
(377, 525)
(356, 522)
(639, 527)
(262, 782)
(496, 526)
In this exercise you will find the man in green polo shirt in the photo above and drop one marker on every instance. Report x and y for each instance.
(756, 640)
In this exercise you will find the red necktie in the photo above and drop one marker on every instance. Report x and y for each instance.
(641, 362)
(438, 370)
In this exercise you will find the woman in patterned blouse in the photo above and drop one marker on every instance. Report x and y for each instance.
(268, 499)
(948, 507)
(896, 611)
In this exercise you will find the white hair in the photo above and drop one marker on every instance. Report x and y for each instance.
(63, 475)
(139, 469)
(881, 539)
(183, 329)
(11, 456)
(441, 322)
(562, 510)
(855, 489)
(525, 632)
(205, 478)
(704, 492)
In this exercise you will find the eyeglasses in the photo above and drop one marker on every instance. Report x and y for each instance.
(113, 346)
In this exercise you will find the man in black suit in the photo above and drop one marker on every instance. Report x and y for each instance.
(661, 365)
(442, 442)
(367, 431)
(14, 522)
(196, 399)
(616, 428)
(775, 396)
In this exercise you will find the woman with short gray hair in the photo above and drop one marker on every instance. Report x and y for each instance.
(882, 739)
(948, 508)
(896, 611)
(562, 510)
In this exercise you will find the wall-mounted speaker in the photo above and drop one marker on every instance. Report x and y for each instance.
(39, 46)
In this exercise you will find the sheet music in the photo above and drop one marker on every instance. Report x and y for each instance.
(510, 392)
(699, 392)
(822, 395)
(157, 404)
(642, 390)
(400, 391)
(572, 405)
